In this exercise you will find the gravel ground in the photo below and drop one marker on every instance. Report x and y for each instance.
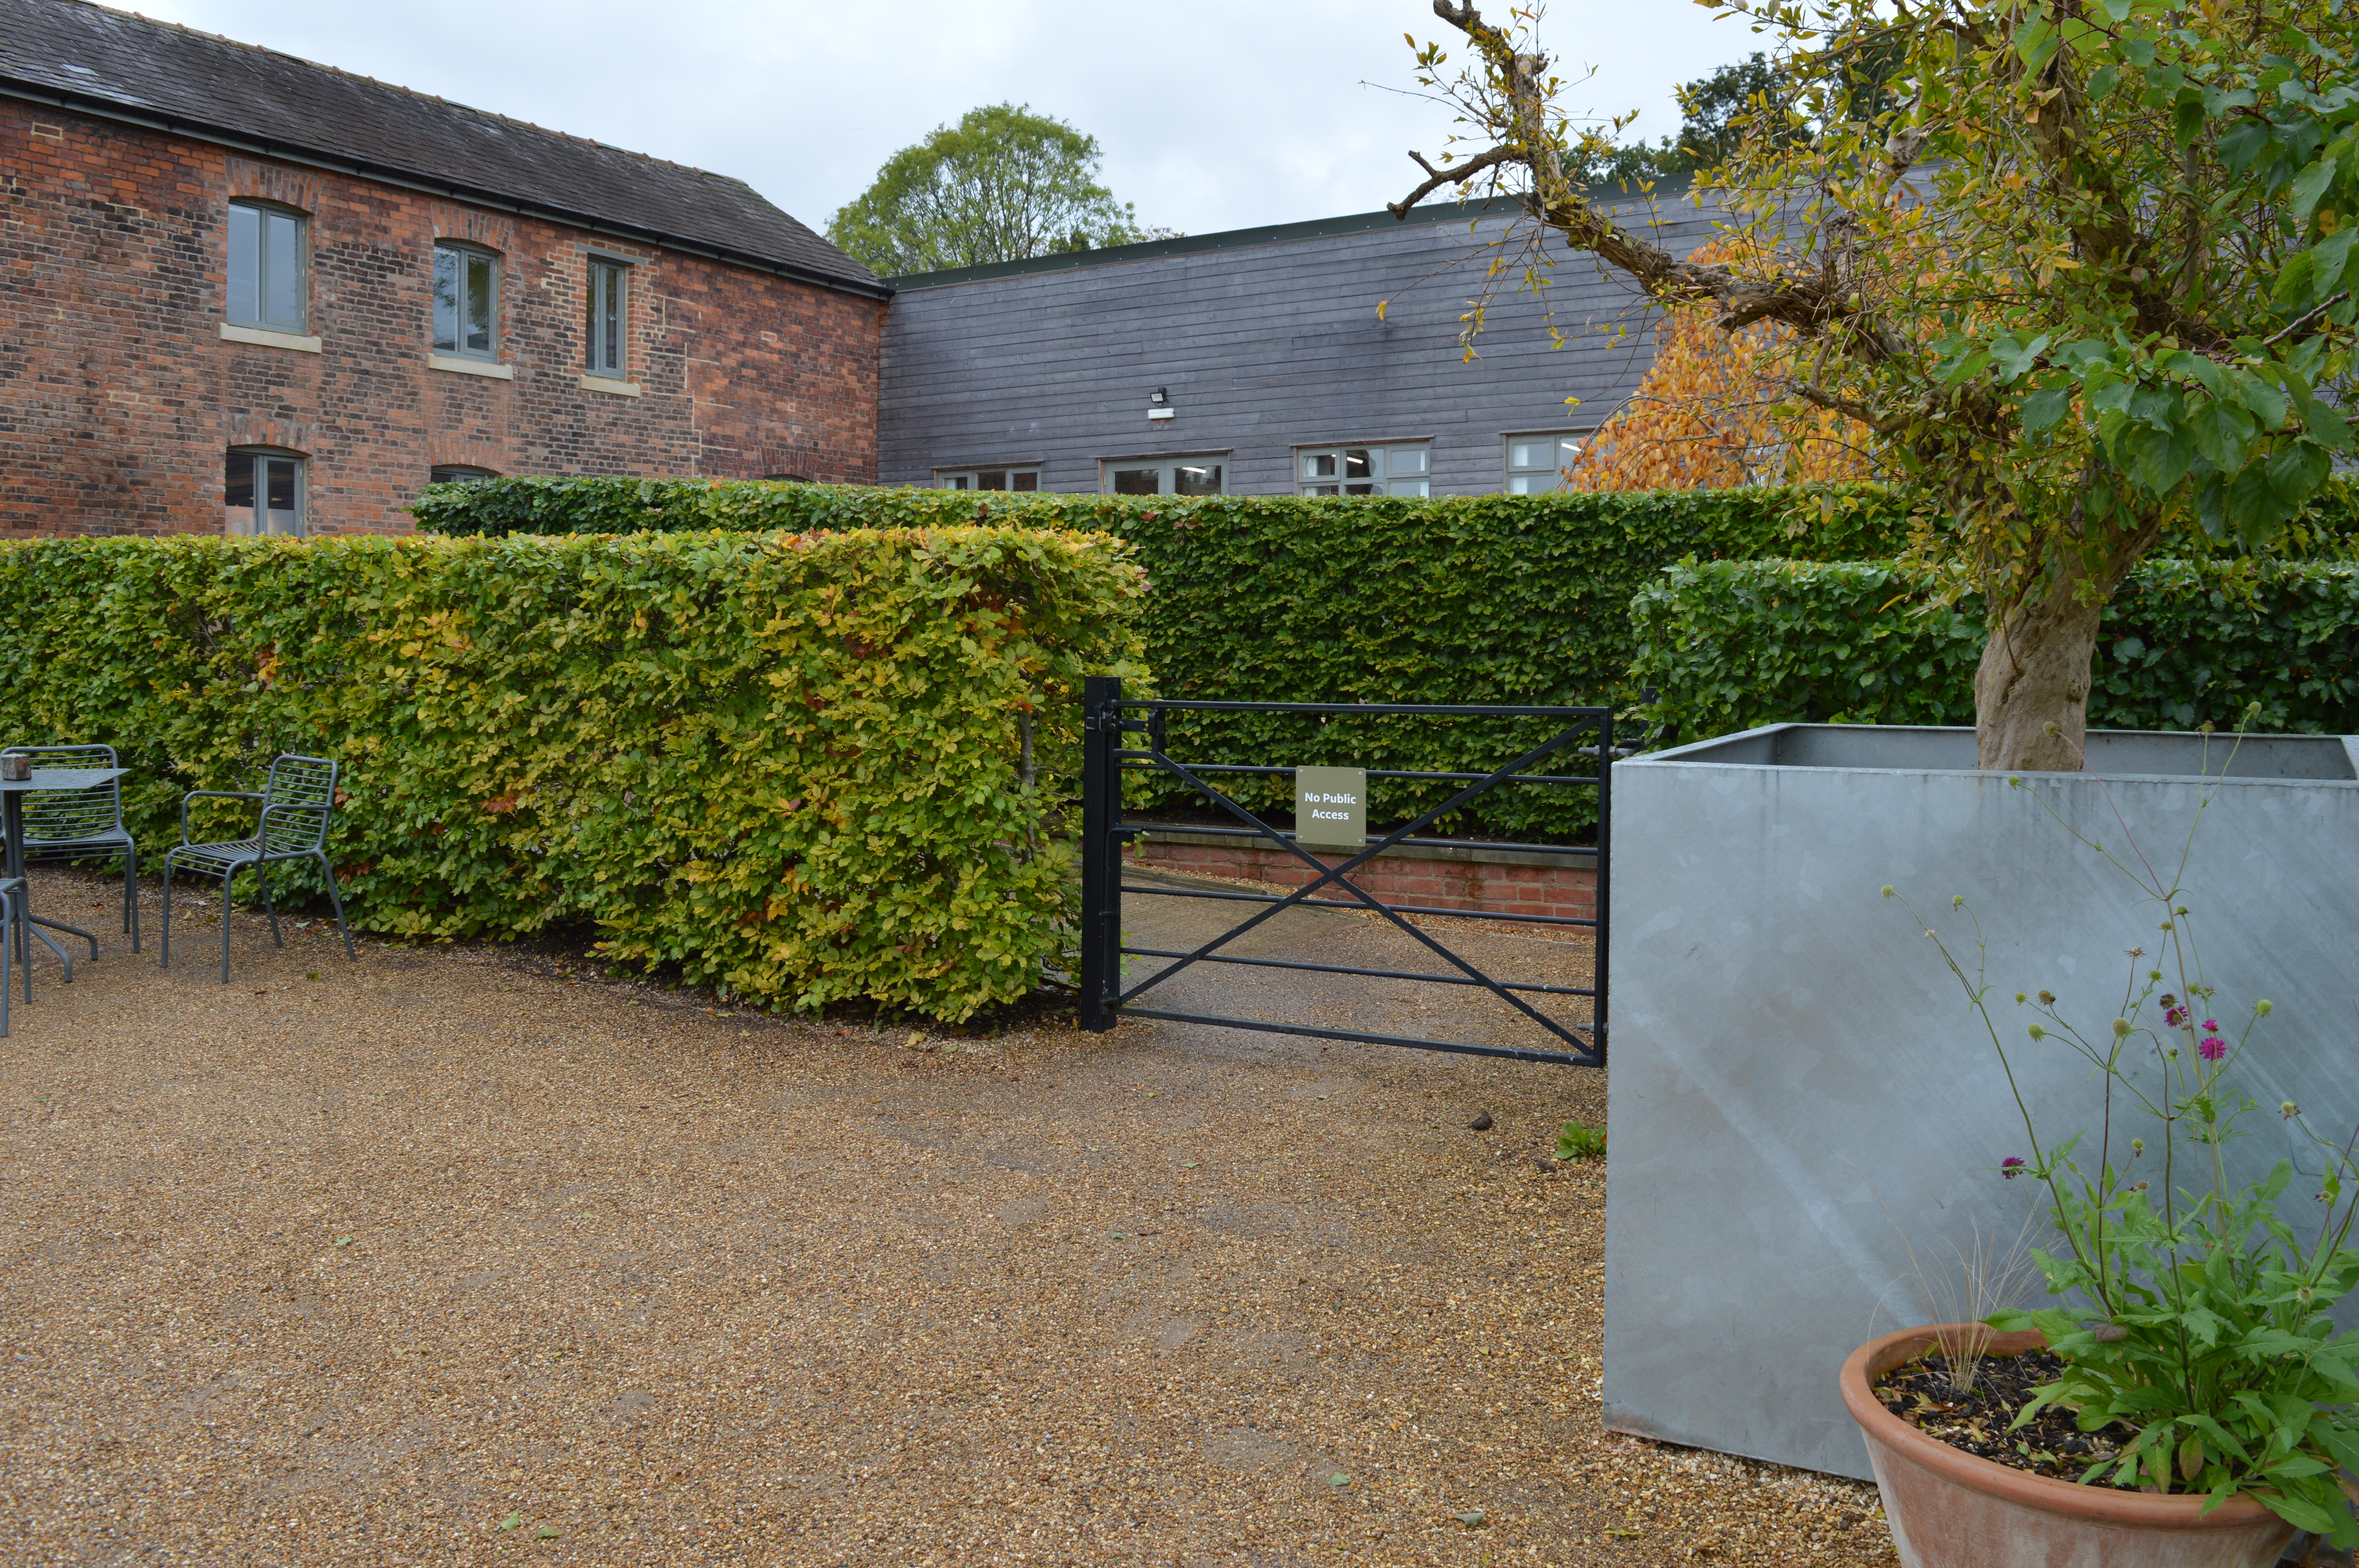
(456, 1256)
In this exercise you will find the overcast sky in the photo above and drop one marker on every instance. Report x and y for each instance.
(1215, 113)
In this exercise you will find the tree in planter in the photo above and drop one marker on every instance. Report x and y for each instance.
(2082, 265)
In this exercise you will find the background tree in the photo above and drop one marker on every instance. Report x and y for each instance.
(2083, 266)
(1710, 108)
(1713, 412)
(1001, 185)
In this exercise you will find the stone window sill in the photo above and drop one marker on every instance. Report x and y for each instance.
(610, 387)
(262, 337)
(470, 367)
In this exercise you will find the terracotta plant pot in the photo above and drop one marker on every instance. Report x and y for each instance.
(1950, 1510)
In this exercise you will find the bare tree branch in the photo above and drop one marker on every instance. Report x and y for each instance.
(1460, 174)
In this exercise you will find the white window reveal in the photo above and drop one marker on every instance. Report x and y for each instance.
(262, 492)
(987, 479)
(1535, 464)
(1165, 476)
(1401, 468)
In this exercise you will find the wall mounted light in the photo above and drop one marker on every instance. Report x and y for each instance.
(1159, 403)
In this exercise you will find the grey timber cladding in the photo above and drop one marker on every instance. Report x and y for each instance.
(1266, 340)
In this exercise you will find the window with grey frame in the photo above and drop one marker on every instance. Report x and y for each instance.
(459, 473)
(1017, 479)
(466, 302)
(1397, 468)
(262, 492)
(609, 323)
(266, 267)
(1535, 464)
(1202, 475)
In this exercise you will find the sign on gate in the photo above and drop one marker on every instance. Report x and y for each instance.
(1330, 807)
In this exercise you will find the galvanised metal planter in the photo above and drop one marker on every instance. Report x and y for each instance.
(1796, 1080)
(1949, 1508)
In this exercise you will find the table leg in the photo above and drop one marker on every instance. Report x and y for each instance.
(14, 800)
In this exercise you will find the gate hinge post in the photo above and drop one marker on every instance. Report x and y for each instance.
(1101, 975)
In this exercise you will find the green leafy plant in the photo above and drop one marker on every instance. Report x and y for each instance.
(806, 768)
(1505, 599)
(1731, 645)
(1578, 1141)
(2202, 1323)
(1001, 185)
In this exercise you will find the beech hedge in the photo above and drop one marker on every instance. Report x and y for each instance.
(1497, 598)
(790, 764)
(1732, 645)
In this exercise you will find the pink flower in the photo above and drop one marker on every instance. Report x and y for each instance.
(2011, 1167)
(2175, 1016)
(2213, 1048)
(2211, 1026)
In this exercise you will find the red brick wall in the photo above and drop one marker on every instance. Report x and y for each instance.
(118, 398)
(1569, 891)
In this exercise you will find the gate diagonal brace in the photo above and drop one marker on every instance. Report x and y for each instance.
(1340, 875)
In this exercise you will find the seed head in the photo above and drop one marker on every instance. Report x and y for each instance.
(2262, 1008)
(2290, 1109)
(1887, 890)
(2048, 998)
(2121, 1029)
(2038, 1032)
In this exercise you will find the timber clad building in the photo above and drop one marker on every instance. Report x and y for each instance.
(1258, 362)
(241, 292)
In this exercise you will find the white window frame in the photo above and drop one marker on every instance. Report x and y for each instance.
(1167, 470)
(261, 214)
(1008, 477)
(259, 517)
(609, 286)
(1364, 468)
(1522, 478)
(461, 256)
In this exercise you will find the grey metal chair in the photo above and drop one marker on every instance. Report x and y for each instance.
(296, 802)
(15, 915)
(82, 824)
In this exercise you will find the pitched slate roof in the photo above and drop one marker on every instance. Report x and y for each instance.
(124, 67)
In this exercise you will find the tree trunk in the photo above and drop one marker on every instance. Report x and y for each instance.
(2031, 690)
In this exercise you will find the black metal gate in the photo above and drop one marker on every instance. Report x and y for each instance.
(1129, 737)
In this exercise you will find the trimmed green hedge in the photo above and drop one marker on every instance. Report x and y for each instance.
(1732, 645)
(787, 764)
(1475, 599)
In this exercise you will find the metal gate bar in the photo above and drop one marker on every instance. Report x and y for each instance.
(1107, 758)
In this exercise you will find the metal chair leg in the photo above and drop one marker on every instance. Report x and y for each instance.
(7, 946)
(131, 892)
(164, 955)
(228, 877)
(262, 875)
(342, 929)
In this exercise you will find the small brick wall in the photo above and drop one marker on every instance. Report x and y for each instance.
(1567, 889)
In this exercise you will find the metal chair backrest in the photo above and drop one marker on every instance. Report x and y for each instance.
(68, 816)
(295, 804)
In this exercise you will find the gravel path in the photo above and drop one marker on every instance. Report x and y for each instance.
(449, 1257)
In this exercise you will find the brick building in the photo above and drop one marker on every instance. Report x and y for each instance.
(242, 291)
